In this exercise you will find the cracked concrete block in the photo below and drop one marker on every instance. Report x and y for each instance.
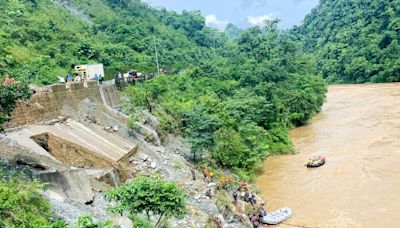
(72, 184)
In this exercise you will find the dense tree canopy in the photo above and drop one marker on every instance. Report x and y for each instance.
(238, 103)
(355, 41)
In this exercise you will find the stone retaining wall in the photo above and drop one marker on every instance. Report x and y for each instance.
(48, 103)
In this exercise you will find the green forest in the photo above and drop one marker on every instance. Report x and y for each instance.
(354, 41)
(232, 94)
(40, 39)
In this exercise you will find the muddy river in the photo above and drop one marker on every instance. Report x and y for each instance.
(358, 131)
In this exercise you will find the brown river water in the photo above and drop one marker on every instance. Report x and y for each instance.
(358, 131)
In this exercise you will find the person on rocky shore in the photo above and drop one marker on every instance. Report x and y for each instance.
(246, 196)
(208, 175)
(193, 174)
(262, 211)
(235, 196)
(253, 199)
(208, 193)
(61, 79)
(255, 221)
(260, 215)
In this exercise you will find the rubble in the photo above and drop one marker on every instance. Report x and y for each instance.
(58, 120)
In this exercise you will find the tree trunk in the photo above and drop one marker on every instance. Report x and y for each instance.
(159, 220)
(148, 104)
(148, 216)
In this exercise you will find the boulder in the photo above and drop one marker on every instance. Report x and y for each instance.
(147, 133)
(71, 184)
(151, 120)
(103, 179)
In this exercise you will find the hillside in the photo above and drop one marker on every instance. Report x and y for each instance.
(237, 107)
(242, 93)
(354, 41)
(44, 38)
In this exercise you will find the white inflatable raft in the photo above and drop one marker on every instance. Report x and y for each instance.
(278, 216)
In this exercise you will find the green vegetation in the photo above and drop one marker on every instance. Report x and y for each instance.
(9, 94)
(21, 203)
(354, 41)
(151, 196)
(232, 31)
(40, 39)
(238, 103)
(87, 221)
(139, 222)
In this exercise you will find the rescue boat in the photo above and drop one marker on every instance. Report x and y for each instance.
(316, 162)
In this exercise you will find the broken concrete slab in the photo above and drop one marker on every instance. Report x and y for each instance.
(108, 176)
(111, 146)
(98, 186)
(71, 184)
(20, 156)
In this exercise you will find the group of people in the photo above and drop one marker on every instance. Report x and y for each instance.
(79, 78)
(129, 78)
(256, 219)
(99, 78)
(242, 192)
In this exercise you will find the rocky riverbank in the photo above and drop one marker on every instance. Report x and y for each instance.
(77, 190)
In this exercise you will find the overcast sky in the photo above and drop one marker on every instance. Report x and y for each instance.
(243, 13)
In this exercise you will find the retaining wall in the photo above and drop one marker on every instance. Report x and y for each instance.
(48, 103)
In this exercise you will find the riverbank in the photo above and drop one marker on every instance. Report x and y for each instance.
(82, 147)
(358, 132)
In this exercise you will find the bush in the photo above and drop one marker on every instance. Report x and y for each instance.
(139, 222)
(21, 203)
(59, 224)
(9, 95)
(229, 150)
(149, 195)
(87, 221)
